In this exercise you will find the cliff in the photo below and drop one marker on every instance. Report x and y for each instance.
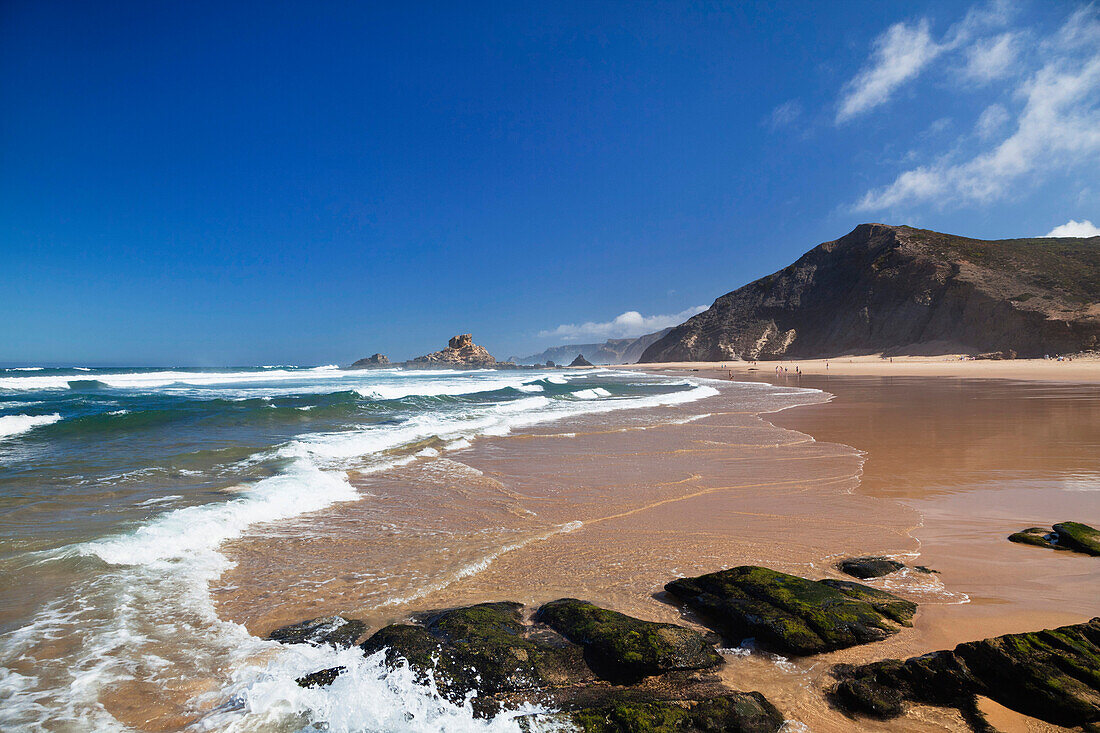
(900, 290)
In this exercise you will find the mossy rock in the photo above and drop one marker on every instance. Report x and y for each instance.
(789, 614)
(1073, 536)
(738, 712)
(868, 567)
(889, 605)
(1078, 537)
(622, 648)
(480, 648)
(1053, 675)
(334, 631)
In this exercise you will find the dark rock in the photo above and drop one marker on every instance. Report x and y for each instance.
(1078, 537)
(1053, 675)
(622, 648)
(789, 614)
(484, 648)
(869, 567)
(321, 678)
(738, 712)
(1034, 536)
(378, 360)
(896, 289)
(580, 361)
(924, 569)
(1063, 536)
(330, 630)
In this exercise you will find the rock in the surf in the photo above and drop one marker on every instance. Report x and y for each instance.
(622, 648)
(737, 712)
(868, 567)
(334, 631)
(485, 648)
(321, 678)
(1053, 675)
(789, 614)
(375, 361)
(1062, 536)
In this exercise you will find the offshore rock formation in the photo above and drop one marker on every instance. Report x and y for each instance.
(1053, 675)
(461, 351)
(580, 361)
(896, 289)
(378, 360)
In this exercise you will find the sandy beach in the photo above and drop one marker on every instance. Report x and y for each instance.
(934, 466)
(873, 365)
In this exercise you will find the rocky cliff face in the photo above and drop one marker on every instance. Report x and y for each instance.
(899, 290)
(461, 351)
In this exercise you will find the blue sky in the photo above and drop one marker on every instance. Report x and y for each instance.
(235, 183)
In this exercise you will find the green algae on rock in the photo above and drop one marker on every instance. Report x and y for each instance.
(623, 648)
(484, 648)
(1073, 536)
(790, 614)
(738, 712)
(1053, 675)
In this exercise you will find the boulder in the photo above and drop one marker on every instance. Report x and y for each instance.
(622, 648)
(484, 647)
(789, 614)
(869, 567)
(461, 351)
(1078, 537)
(334, 631)
(1062, 536)
(1053, 675)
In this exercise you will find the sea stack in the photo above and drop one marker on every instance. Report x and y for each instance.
(461, 351)
(580, 361)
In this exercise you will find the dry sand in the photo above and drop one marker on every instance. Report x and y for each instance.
(954, 365)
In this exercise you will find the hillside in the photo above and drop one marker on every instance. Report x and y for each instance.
(612, 351)
(897, 289)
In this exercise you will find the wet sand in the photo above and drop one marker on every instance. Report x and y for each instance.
(936, 470)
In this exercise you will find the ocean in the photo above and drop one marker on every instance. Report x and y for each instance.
(121, 487)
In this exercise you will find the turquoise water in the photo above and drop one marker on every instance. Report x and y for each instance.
(118, 487)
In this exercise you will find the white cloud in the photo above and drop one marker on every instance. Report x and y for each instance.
(785, 114)
(1073, 228)
(899, 55)
(626, 325)
(992, 120)
(992, 58)
(1057, 129)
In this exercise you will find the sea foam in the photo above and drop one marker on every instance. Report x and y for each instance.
(17, 424)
